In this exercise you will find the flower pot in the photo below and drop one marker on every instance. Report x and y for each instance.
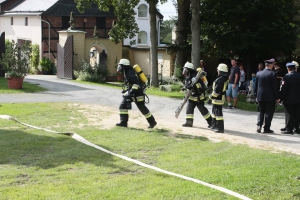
(120, 78)
(110, 78)
(15, 82)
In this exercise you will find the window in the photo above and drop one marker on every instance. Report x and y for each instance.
(142, 37)
(11, 21)
(142, 11)
(114, 23)
(101, 22)
(26, 21)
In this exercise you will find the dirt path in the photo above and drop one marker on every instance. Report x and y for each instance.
(254, 140)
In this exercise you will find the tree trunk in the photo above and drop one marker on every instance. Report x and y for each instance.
(181, 33)
(154, 43)
(195, 28)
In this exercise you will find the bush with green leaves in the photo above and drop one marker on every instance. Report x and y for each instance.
(90, 73)
(15, 60)
(35, 57)
(46, 64)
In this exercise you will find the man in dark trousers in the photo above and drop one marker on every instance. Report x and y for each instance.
(266, 92)
(133, 93)
(290, 96)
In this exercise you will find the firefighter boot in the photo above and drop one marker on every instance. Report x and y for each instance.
(122, 123)
(213, 124)
(209, 121)
(219, 127)
(151, 122)
(188, 123)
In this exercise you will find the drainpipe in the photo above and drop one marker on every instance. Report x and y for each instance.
(48, 34)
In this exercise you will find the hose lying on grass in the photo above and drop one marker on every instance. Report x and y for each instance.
(84, 141)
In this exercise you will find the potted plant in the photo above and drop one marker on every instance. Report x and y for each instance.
(35, 58)
(46, 65)
(15, 62)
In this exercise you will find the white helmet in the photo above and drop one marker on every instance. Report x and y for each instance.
(124, 61)
(223, 67)
(296, 64)
(189, 65)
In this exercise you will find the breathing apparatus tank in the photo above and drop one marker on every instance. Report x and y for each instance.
(140, 73)
(202, 76)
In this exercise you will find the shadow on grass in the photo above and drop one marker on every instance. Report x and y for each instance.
(22, 148)
(166, 132)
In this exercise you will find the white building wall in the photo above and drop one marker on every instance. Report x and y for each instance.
(18, 30)
(143, 24)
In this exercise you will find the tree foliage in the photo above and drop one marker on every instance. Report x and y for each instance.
(126, 26)
(249, 27)
(166, 31)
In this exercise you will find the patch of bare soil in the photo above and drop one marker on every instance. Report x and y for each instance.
(106, 117)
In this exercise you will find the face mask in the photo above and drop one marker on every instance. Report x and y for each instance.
(120, 68)
(185, 72)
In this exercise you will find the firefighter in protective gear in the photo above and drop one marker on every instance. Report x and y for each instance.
(197, 97)
(218, 98)
(134, 92)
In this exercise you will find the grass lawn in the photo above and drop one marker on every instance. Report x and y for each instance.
(27, 87)
(40, 165)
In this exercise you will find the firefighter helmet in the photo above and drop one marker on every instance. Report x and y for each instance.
(124, 61)
(296, 64)
(223, 67)
(189, 65)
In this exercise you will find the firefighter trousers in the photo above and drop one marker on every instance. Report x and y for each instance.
(217, 117)
(203, 110)
(140, 103)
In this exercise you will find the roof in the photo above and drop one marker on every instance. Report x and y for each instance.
(65, 7)
(32, 6)
(1, 1)
(54, 8)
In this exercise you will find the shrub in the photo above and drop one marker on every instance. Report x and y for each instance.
(46, 65)
(90, 73)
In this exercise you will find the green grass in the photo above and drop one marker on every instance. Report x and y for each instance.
(27, 87)
(40, 165)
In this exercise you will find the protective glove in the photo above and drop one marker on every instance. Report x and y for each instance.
(209, 102)
(183, 89)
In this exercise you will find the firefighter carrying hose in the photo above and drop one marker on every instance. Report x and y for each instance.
(218, 98)
(134, 92)
(197, 96)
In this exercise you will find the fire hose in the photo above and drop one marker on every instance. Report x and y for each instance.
(86, 142)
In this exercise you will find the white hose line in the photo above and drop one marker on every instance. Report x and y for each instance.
(84, 141)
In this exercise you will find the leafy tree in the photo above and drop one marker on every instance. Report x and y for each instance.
(250, 29)
(166, 31)
(181, 46)
(195, 28)
(126, 27)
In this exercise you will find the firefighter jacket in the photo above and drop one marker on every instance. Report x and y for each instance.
(134, 86)
(198, 88)
(219, 88)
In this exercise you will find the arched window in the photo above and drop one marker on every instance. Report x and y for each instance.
(142, 11)
(142, 37)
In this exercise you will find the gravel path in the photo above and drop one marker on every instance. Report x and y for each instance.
(240, 126)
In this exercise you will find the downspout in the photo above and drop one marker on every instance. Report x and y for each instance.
(48, 34)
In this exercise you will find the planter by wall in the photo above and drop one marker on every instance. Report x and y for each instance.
(15, 82)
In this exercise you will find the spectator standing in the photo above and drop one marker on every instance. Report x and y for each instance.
(242, 77)
(266, 92)
(260, 67)
(290, 96)
(203, 66)
(234, 78)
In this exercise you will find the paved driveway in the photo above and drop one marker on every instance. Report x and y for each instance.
(240, 126)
